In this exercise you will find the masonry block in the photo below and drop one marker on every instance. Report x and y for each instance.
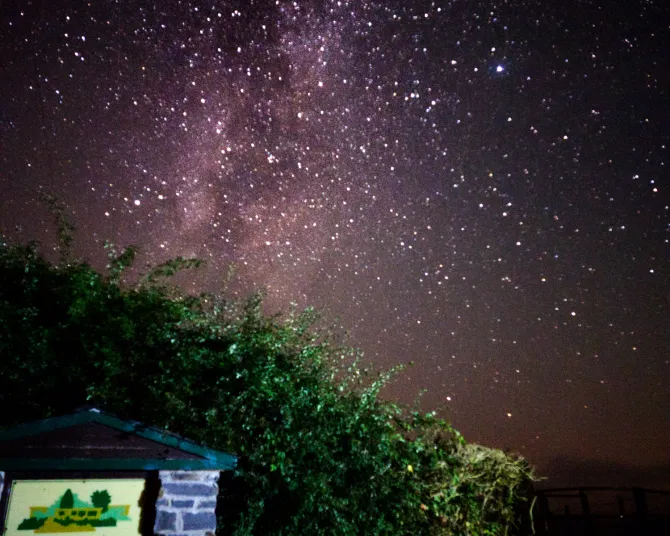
(165, 521)
(193, 490)
(201, 521)
(210, 505)
(189, 476)
(186, 503)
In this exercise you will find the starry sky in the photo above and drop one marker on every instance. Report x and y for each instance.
(479, 187)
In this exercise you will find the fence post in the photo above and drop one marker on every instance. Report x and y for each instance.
(641, 507)
(543, 512)
(620, 503)
(586, 511)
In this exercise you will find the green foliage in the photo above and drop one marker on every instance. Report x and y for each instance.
(109, 522)
(66, 522)
(101, 499)
(170, 268)
(31, 523)
(67, 501)
(319, 452)
(64, 227)
(118, 262)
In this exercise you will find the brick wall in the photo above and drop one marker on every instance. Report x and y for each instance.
(186, 503)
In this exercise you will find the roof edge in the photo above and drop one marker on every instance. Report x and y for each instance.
(95, 415)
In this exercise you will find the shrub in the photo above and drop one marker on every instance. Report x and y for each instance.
(319, 452)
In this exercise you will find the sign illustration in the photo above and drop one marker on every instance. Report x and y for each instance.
(58, 506)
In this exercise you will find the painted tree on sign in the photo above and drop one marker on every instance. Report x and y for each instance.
(67, 501)
(101, 499)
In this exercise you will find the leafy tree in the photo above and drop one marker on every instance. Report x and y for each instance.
(319, 452)
(101, 499)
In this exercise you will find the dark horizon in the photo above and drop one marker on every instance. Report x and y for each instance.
(576, 473)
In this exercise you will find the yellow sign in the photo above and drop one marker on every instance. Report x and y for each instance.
(106, 507)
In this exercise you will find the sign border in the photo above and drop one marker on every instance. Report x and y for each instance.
(147, 499)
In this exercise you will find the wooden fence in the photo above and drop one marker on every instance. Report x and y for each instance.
(596, 511)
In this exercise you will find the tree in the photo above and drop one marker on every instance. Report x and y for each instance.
(319, 452)
(67, 500)
(101, 499)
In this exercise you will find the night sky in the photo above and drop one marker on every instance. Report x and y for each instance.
(480, 187)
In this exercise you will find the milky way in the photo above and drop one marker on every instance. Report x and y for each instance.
(479, 187)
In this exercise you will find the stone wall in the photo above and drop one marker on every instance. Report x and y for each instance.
(186, 503)
(2, 482)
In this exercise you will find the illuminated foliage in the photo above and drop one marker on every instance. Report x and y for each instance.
(319, 452)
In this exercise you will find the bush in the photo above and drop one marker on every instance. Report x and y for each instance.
(319, 452)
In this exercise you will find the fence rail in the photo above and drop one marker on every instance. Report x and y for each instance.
(595, 511)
